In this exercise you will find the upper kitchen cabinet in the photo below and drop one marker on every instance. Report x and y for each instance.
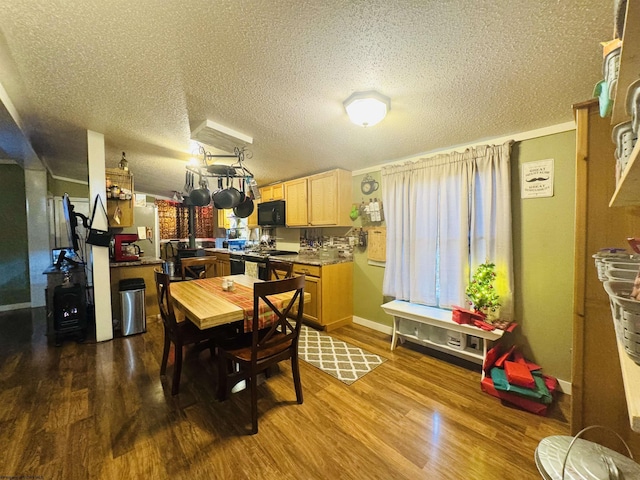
(272, 192)
(119, 197)
(295, 192)
(330, 198)
(626, 193)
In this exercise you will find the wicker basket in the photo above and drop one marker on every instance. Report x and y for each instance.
(626, 316)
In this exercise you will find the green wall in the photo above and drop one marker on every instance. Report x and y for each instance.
(57, 188)
(543, 246)
(543, 242)
(367, 279)
(14, 254)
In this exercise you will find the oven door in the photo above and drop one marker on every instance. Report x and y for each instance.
(237, 264)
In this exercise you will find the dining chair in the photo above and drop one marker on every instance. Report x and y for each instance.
(269, 346)
(198, 267)
(179, 330)
(279, 269)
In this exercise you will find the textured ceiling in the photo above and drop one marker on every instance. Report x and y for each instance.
(145, 72)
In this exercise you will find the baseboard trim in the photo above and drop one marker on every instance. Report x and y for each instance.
(373, 325)
(563, 385)
(15, 306)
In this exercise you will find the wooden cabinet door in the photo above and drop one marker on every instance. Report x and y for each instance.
(296, 206)
(272, 192)
(312, 286)
(323, 199)
(223, 219)
(252, 220)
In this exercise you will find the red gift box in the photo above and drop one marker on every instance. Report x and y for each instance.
(463, 316)
(519, 374)
(497, 358)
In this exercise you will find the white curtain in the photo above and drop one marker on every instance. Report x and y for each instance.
(445, 216)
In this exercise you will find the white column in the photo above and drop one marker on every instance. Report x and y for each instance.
(35, 182)
(100, 255)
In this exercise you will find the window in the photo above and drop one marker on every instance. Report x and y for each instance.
(174, 220)
(445, 216)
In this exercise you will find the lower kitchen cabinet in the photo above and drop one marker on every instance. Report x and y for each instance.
(223, 263)
(331, 291)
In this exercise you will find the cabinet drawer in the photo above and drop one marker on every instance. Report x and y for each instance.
(313, 270)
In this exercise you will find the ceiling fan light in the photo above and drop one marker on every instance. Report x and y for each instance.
(367, 108)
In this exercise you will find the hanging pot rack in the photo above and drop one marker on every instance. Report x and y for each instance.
(208, 168)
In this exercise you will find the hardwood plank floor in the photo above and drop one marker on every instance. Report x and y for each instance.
(102, 411)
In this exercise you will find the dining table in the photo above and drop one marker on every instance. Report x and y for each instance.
(207, 304)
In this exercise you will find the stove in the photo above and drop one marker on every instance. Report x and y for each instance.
(262, 255)
(256, 263)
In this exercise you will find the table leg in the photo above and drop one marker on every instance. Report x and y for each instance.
(394, 335)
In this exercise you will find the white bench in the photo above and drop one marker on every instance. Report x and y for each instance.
(409, 319)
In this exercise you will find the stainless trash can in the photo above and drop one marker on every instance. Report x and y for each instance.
(132, 309)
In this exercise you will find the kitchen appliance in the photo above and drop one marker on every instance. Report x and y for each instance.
(124, 250)
(257, 263)
(272, 214)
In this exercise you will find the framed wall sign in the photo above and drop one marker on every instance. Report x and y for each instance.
(537, 179)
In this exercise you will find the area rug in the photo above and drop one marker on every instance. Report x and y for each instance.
(335, 357)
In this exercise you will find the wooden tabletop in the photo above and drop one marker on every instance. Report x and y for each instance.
(205, 308)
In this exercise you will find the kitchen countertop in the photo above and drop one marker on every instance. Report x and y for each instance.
(137, 263)
(304, 259)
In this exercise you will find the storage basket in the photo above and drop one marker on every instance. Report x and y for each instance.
(619, 254)
(626, 317)
(424, 331)
(610, 69)
(457, 340)
(620, 274)
(625, 139)
(408, 327)
(631, 334)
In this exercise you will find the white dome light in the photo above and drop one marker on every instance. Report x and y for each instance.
(367, 108)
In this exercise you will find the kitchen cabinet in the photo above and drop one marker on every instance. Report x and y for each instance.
(135, 270)
(598, 390)
(118, 208)
(223, 219)
(252, 220)
(626, 192)
(330, 198)
(331, 290)
(272, 192)
(295, 192)
(223, 264)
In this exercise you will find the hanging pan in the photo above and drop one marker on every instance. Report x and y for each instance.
(245, 208)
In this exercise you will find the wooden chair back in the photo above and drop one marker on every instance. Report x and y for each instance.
(285, 329)
(269, 345)
(198, 267)
(279, 269)
(165, 303)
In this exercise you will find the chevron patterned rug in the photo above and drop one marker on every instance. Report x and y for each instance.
(335, 357)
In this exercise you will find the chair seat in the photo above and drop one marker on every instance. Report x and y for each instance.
(244, 353)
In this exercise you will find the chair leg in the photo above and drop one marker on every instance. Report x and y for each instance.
(177, 369)
(165, 354)
(222, 378)
(254, 402)
(295, 369)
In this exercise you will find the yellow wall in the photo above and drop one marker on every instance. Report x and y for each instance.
(543, 258)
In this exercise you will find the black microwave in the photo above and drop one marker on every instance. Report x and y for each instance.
(272, 214)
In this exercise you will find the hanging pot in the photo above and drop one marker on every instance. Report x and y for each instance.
(200, 196)
(227, 198)
(214, 195)
(244, 209)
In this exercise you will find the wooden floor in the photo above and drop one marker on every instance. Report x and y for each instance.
(102, 411)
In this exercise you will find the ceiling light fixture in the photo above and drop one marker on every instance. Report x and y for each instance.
(367, 108)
